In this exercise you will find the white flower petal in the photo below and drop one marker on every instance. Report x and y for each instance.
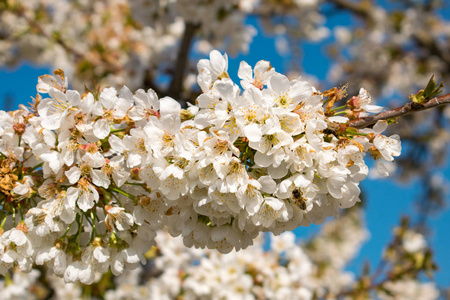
(101, 129)
(73, 175)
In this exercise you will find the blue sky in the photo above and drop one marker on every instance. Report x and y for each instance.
(386, 199)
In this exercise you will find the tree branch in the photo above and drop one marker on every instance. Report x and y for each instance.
(362, 9)
(176, 85)
(404, 110)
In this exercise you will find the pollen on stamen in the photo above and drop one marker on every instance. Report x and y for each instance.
(140, 146)
(284, 100)
(59, 106)
(168, 140)
(221, 147)
(250, 191)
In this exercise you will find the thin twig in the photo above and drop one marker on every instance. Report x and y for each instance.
(359, 8)
(404, 110)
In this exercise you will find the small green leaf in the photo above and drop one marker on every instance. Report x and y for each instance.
(418, 98)
(430, 87)
(436, 91)
(430, 91)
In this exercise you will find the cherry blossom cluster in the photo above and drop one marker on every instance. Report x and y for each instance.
(288, 270)
(88, 179)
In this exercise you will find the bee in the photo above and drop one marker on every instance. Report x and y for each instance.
(298, 199)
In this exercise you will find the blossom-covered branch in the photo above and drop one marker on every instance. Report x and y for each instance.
(99, 174)
(89, 178)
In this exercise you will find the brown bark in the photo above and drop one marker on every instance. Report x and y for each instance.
(404, 110)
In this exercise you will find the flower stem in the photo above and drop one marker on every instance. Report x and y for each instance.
(3, 222)
(340, 113)
(80, 225)
(117, 130)
(134, 183)
(94, 230)
(117, 199)
(14, 217)
(355, 133)
(20, 211)
(340, 107)
(117, 190)
(67, 230)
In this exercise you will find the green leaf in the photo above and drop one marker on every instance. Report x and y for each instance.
(417, 98)
(430, 87)
(430, 91)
